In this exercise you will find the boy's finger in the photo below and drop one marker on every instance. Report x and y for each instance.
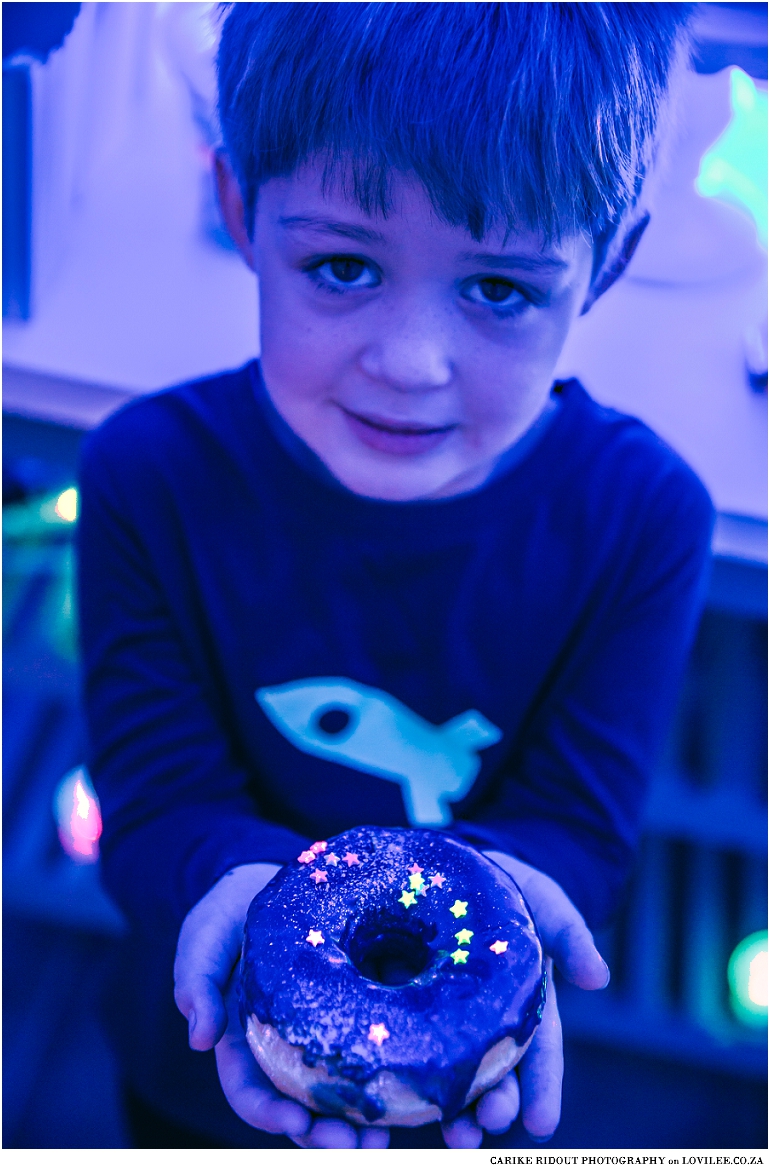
(332, 1134)
(498, 1108)
(202, 1005)
(374, 1138)
(250, 1094)
(462, 1133)
(541, 1071)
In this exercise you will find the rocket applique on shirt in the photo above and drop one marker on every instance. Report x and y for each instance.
(343, 721)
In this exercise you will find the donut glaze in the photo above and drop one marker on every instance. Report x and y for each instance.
(390, 976)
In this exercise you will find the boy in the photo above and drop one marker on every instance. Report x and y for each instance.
(395, 495)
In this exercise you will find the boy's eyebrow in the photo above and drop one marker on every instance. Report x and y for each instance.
(338, 227)
(515, 261)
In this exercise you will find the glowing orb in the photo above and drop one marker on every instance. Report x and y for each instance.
(747, 975)
(66, 506)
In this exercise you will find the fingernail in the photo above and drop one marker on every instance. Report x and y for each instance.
(607, 978)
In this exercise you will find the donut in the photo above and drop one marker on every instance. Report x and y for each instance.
(390, 976)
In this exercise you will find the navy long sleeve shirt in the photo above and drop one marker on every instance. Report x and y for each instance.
(554, 605)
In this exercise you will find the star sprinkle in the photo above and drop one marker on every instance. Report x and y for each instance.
(460, 956)
(351, 858)
(306, 857)
(315, 938)
(318, 847)
(407, 898)
(459, 908)
(319, 876)
(415, 868)
(464, 936)
(378, 1033)
(499, 947)
(416, 882)
(437, 881)
(331, 858)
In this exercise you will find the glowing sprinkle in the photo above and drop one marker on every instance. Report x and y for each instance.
(464, 936)
(460, 956)
(351, 858)
(319, 876)
(499, 947)
(378, 1033)
(437, 881)
(416, 883)
(459, 908)
(331, 858)
(318, 847)
(306, 857)
(415, 868)
(407, 898)
(66, 506)
(315, 938)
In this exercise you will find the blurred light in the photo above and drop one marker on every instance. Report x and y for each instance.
(747, 975)
(734, 168)
(78, 819)
(66, 506)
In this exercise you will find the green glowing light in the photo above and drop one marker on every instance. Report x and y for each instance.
(747, 975)
(407, 898)
(734, 168)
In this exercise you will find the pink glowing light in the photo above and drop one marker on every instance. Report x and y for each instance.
(306, 857)
(78, 818)
(319, 846)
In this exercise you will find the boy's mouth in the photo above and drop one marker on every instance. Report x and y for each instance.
(397, 437)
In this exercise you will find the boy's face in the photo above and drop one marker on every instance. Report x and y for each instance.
(406, 354)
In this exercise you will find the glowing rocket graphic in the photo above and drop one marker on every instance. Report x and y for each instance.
(342, 721)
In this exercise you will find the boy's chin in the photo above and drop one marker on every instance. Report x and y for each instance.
(409, 478)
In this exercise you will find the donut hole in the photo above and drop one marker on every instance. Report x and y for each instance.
(388, 953)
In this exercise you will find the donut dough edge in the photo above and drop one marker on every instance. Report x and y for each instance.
(284, 1066)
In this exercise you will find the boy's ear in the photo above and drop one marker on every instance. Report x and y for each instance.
(617, 255)
(231, 206)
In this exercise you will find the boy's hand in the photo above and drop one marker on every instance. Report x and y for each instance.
(207, 952)
(568, 941)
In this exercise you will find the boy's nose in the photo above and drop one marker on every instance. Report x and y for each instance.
(409, 352)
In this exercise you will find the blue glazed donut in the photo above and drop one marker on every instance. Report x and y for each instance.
(390, 976)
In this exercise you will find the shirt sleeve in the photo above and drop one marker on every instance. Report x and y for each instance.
(176, 803)
(570, 799)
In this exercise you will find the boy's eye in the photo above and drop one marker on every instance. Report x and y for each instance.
(346, 269)
(495, 290)
(340, 273)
